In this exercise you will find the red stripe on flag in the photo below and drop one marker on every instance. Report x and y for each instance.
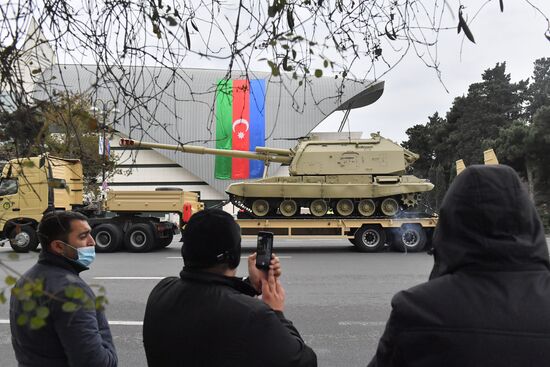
(241, 127)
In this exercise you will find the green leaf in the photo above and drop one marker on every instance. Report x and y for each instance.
(10, 280)
(100, 302)
(171, 21)
(22, 319)
(79, 293)
(187, 37)
(290, 19)
(325, 63)
(2, 297)
(70, 291)
(274, 68)
(69, 307)
(29, 305)
(13, 256)
(37, 323)
(42, 312)
(318, 73)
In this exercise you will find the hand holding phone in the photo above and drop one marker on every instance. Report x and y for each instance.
(264, 249)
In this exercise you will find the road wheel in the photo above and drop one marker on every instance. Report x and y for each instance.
(409, 238)
(344, 207)
(366, 207)
(163, 242)
(318, 207)
(288, 207)
(107, 237)
(23, 238)
(370, 238)
(260, 207)
(140, 238)
(389, 207)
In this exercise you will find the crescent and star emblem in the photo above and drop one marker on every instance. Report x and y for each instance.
(240, 134)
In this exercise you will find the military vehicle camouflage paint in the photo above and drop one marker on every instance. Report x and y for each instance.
(362, 178)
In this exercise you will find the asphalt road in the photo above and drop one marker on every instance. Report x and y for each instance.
(338, 299)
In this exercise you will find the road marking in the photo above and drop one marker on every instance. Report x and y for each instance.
(362, 323)
(242, 257)
(129, 278)
(124, 323)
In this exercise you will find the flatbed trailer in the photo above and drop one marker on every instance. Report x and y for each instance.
(407, 234)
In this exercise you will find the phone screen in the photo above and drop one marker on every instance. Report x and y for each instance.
(264, 249)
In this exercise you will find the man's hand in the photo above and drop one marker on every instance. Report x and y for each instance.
(273, 293)
(257, 275)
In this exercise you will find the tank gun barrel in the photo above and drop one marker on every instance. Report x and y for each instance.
(275, 155)
(276, 151)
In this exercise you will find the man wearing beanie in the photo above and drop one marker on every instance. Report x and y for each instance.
(208, 317)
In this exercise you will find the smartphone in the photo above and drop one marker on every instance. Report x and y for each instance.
(264, 248)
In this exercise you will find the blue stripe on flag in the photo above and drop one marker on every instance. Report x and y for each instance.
(257, 123)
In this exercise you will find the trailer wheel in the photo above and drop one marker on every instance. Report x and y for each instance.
(163, 242)
(23, 238)
(370, 238)
(139, 238)
(409, 238)
(107, 237)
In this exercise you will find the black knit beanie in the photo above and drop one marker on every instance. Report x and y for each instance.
(211, 237)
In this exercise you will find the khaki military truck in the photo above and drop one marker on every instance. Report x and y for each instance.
(30, 187)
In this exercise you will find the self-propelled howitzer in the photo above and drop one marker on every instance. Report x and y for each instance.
(363, 178)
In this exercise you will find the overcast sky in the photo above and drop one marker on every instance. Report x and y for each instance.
(413, 91)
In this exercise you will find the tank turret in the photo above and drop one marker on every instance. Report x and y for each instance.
(355, 178)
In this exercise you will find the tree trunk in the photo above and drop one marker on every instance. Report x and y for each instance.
(530, 169)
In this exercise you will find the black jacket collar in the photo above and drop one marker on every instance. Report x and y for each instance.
(211, 278)
(48, 258)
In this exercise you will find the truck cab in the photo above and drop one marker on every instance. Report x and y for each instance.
(31, 186)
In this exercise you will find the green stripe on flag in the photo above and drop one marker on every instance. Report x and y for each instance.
(224, 117)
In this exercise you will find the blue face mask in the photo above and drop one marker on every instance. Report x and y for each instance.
(86, 255)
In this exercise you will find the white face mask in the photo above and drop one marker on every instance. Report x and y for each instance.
(86, 255)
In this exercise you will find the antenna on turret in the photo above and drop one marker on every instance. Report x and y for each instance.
(344, 120)
(346, 114)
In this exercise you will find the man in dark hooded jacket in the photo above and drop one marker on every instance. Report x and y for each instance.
(487, 302)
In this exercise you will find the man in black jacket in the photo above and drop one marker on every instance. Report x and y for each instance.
(81, 337)
(209, 317)
(487, 302)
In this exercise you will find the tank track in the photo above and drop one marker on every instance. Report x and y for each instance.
(246, 213)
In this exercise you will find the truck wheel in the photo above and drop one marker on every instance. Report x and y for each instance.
(139, 238)
(23, 239)
(107, 237)
(163, 242)
(370, 238)
(409, 238)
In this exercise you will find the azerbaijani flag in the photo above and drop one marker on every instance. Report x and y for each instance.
(240, 125)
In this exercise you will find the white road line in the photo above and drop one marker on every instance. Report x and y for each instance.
(362, 323)
(124, 323)
(242, 257)
(129, 278)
